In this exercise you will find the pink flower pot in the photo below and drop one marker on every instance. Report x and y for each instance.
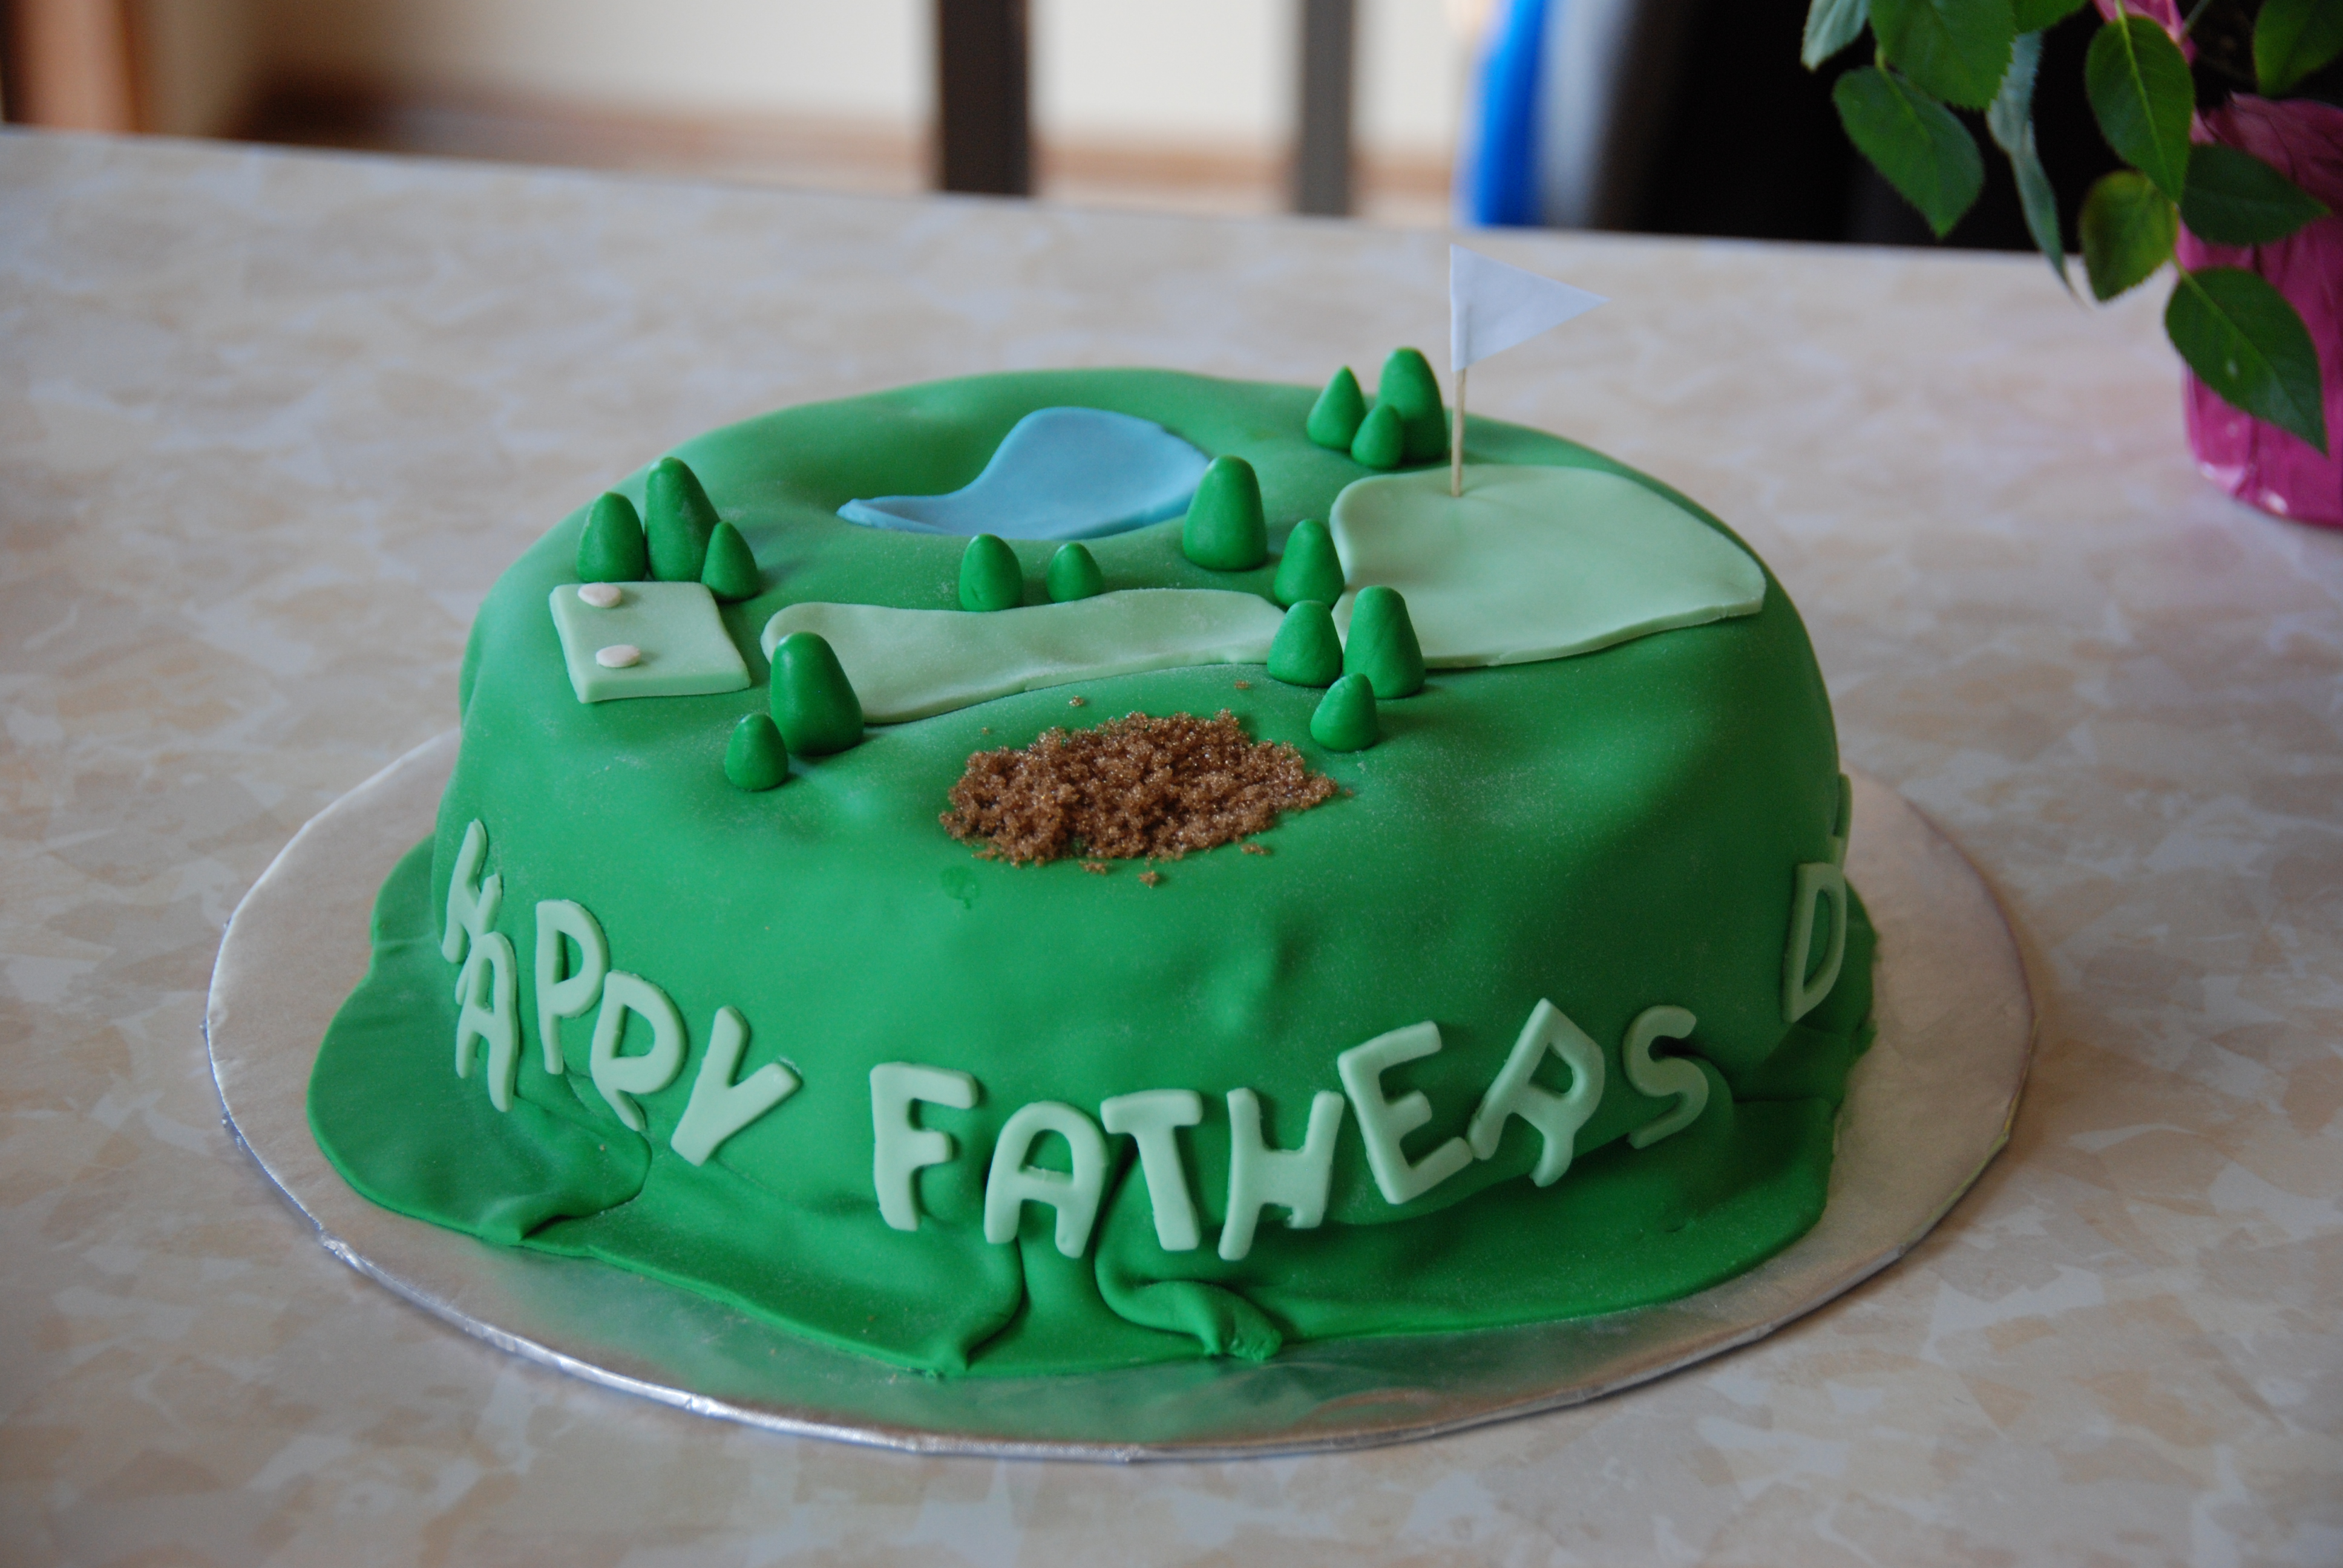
(2255, 462)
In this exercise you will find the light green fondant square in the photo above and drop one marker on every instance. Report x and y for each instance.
(686, 652)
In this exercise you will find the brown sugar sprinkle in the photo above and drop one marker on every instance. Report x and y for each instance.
(1135, 788)
(1151, 879)
(1078, 702)
(1244, 685)
(1097, 868)
(1254, 849)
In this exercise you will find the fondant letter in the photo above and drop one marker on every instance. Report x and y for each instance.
(1818, 881)
(621, 1077)
(490, 1018)
(1011, 1183)
(471, 901)
(1384, 1122)
(719, 1107)
(1558, 1117)
(1663, 1076)
(1151, 1117)
(561, 993)
(1295, 1180)
(902, 1145)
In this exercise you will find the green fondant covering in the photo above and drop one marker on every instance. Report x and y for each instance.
(1224, 531)
(682, 647)
(611, 549)
(677, 518)
(1336, 417)
(916, 663)
(990, 577)
(1610, 833)
(1310, 567)
(1345, 718)
(1074, 574)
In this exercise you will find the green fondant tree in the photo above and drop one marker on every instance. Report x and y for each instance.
(990, 577)
(1345, 718)
(1382, 645)
(1382, 440)
(1311, 568)
(1336, 417)
(1306, 651)
(677, 518)
(757, 758)
(1074, 574)
(1409, 387)
(1225, 531)
(813, 704)
(611, 549)
(730, 572)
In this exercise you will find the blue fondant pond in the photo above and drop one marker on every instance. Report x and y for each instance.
(1059, 474)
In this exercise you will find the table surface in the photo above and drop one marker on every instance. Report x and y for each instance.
(270, 424)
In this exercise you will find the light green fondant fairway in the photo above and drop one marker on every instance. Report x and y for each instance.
(916, 663)
(685, 649)
(1609, 834)
(1536, 563)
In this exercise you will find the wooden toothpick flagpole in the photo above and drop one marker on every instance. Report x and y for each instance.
(1457, 444)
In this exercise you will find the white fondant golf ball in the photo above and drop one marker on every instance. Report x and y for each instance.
(618, 656)
(601, 596)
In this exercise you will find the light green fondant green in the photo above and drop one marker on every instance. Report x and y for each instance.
(1538, 563)
(485, 1019)
(1336, 417)
(909, 664)
(813, 702)
(1382, 440)
(757, 758)
(902, 1148)
(1410, 390)
(1804, 983)
(1307, 650)
(1659, 1078)
(1627, 826)
(990, 577)
(1346, 718)
(1515, 1093)
(1074, 574)
(719, 1107)
(677, 518)
(1073, 1196)
(475, 894)
(611, 549)
(1310, 569)
(1380, 643)
(563, 991)
(1153, 1118)
(1225, 530)
(1263, 1175)
(731, 570)
(683, 648)
(621, 1077)
(1384, 1122)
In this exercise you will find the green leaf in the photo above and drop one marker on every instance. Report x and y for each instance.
(2245, 342)
(2011, 121)
(1915, 141)
(2139, 89)
(1955, 50)
(1832, 26)
(2128, 227)
(2235, 198)
(2032, 15)
(2292, 39)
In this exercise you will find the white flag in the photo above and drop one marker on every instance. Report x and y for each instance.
(1492, 307)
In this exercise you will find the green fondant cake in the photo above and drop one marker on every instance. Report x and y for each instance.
(1546, 1012)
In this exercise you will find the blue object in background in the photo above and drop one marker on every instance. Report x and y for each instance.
(1059, 474)
(1501, 185)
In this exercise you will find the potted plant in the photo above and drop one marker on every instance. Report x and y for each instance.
(2235, 170)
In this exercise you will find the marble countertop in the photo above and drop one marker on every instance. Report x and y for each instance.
(270, 424)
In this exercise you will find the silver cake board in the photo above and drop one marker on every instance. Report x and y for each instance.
(1928, 1107)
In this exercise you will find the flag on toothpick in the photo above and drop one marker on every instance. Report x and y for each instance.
(1492, 307)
